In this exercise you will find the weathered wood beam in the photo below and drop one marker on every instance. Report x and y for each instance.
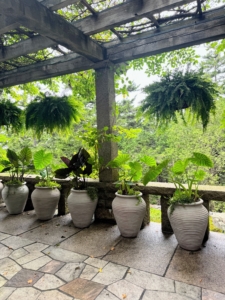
(32, 14)
(57, 4)
(108, 18)
(7, 24)
(180, 35)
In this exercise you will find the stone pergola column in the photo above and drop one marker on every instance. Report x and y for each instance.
(105, 105)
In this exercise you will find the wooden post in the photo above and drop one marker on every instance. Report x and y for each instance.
(166, 227)
(105, 105)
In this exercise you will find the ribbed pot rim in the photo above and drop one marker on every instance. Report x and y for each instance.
(128, 196)
(15, 184)
(200, 201)
(45, 187)
(78, 191)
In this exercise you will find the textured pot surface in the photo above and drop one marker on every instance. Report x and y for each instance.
(129, 216)
(1, 188)
(45, 201)
(15, 197)
(189, 223)
(81, 208)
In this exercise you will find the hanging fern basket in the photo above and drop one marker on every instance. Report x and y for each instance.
(11, 116)
(51, 113)
(177, 92)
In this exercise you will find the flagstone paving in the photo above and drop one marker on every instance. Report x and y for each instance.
(96, 263)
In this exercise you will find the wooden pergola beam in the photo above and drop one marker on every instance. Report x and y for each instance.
(57, 4)
(108, 18)
(180, 35)
(31, 14)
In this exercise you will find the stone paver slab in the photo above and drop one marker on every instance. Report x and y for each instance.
(188, 290)
(52, 232)
(16, 242)
(89, 272)
(29, 257)
(2, 281)
(18, 253)
(5, 292)
(37, 263)
(150, 281)
(52, 267)
(70, 271)
(110, 274)
(201, 268)
(17, 224)
(25, 293)
(158, 295)
(3, 236)
(8, 268)
(106, 295)
(105, 236)
(151, 244)
(5, 251)
(96, 262)
(48, 282)
(83, 289)
(211, 295)
(126, 290)
(24, 278)
(56, 295)
(64, 255)
(36, 247)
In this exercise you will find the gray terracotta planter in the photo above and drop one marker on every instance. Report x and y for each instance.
(189, 223)
(81, 208)
(128, 214)
(45, 201)
(15, 197)
(1, 188)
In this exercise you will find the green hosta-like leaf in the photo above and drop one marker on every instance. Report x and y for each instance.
(201, 160)
(42, 159)
(25, 155)
(148, 160)
(151, 174)
(119, 161)
(199, 175)
(13, 158)
(135, 170)
(179, 167)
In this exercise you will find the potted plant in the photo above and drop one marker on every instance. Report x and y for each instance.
(82, 200)
(45, 196)
(15, 191)
(128, 206)
(187, 215)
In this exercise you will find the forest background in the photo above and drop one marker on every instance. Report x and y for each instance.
(135, 135)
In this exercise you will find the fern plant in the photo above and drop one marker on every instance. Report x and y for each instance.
(186, 175)
(177, 92)
(11, 116)
(51, 113)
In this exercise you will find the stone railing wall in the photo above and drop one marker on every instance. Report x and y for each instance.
(106, 192)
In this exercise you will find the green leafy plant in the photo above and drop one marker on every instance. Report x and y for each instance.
(177, 92)
(52, 113)
(79, 167)
(17, 164)
(11, 116)
(186, 175)
(131, 172)
(42, 161)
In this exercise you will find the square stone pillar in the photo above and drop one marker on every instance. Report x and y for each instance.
(105, 105)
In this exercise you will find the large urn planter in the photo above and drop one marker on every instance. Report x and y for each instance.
(129, 212)
(81, 208)
(189, 223)
(45, 201)
(15, 197)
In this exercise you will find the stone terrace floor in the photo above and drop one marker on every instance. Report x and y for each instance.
(54, 260)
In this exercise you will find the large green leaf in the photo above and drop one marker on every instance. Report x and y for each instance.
(201, 160)
(13, 158)
(135, 170)
(199, 175)
(148, 160)
(25, 155)
(42, 159)
(119, 161)
(151, 174)
(179, 167)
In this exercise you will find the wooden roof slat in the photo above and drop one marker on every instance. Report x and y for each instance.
(176, 36)
(105, 19)
(58, 4)
(37, 17)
